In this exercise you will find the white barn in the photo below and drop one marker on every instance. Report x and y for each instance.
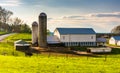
(115, 40)
(76, 36)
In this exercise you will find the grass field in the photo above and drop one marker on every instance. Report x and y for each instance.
(7, 46)
(43, 64)
(1, 33)
(20, 36)
(54, 64)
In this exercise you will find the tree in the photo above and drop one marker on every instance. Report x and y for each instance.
(116, 30)
(11, 25)
(25, 28)
(4, 18)
(48, 32)
(0, 13)
(17, 22)
(19, 26)
(6, 15)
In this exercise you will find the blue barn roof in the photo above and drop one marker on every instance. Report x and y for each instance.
(76, 30)
(116, 37)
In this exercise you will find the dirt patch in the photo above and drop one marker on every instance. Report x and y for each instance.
(60, 51)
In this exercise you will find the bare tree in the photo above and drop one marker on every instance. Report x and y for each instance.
(17, 22)
(4, 18)
(116, 30)
(6, 15)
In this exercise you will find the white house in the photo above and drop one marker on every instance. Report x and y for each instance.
(114, 40)
(118, 43)
(76, 36)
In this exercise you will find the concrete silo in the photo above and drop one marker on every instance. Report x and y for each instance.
(34, 33)
(42, 30)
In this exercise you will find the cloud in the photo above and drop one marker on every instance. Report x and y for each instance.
(10, 3)
(93, 17)
(72, 17)
(115, 14)
(91, 20)
(77, 17)
(49, 19)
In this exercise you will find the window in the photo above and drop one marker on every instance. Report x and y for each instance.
(63, 37)
(91, 37)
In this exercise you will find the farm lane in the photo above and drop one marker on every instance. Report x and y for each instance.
(4, 36)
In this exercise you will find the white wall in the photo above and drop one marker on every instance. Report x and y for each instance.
(78, 38)
(34, 34)
(112, 41)
(57, 34)
(118, 43)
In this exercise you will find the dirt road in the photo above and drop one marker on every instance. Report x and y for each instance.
(4, 36)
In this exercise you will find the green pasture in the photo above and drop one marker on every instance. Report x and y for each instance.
(19, 36)
(44, 64)
(7, 45)
(12, 61)
(1, 32)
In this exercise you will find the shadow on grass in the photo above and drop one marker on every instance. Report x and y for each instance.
(115, 51)
(66, 51)
(21, 39)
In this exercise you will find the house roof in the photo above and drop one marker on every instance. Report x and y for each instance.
(101, 40)
(20, 42)
(34, 23)
(52, 40)
(76, 30)
(116, 37)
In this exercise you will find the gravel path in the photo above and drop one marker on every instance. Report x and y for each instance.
(2, 37)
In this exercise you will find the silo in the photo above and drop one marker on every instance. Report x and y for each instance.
(42, 30)
(34, 33)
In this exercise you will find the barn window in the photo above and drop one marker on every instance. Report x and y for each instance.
(91, 37)
(63, 37)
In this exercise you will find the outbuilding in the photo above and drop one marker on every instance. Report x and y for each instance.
(21, 45)
(118, 43)
(114, 40)
(101, 41)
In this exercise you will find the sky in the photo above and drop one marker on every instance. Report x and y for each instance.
(101, 15)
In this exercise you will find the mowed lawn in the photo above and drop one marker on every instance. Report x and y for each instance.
(7, 45)
(43, 64)
(54, 64)
(1, 33)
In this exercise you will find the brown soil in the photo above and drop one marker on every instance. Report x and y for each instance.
(60, 51)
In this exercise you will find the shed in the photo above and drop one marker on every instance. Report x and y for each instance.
(114, 40)
(21, 45)
(101, 41)
(99, 50)
(52, 40)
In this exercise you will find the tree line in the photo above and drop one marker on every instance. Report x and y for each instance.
(9, 24)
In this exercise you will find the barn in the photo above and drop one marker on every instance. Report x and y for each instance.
(114, 40)
(76, 36)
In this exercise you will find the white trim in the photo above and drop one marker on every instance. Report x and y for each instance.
(22, 44)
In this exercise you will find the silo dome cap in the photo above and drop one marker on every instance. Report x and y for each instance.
(34, 23)
(43, 14)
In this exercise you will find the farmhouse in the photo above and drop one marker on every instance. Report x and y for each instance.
(76, 36)
(115, 40)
